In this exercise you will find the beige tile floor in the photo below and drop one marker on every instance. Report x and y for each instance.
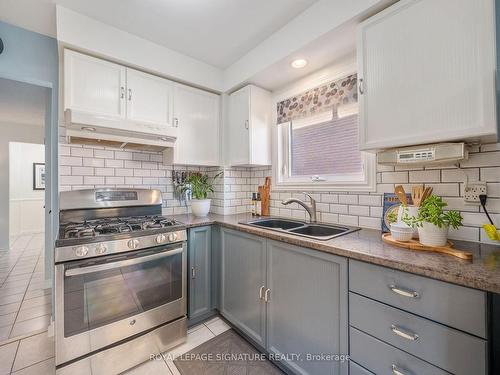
(34, 355)
(197, 335)
(25, 305)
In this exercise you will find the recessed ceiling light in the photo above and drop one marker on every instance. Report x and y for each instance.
(299, 63)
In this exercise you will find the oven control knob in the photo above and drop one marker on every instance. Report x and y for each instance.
(100, 249)
(81, 251)
(133, 244)
(172, 237)
(160, 238)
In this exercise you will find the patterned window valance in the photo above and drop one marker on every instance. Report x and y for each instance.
(319, 99)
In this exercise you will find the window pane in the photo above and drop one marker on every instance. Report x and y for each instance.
(325, 148)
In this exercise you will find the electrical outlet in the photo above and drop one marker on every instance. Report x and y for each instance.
(473, 190)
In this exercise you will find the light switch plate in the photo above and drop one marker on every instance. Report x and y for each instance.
(473, 190)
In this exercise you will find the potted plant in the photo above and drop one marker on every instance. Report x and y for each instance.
(433, 222)
(199, 185)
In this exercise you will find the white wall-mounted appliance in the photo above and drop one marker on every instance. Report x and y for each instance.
(430, 154)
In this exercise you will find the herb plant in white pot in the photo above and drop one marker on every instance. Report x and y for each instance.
(433, 222)
(200, 185)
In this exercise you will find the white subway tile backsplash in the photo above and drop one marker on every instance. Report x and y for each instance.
(348, 199)
(112, 163)
(459, 175)
(394, 177)
(93, 162)
(425, 176)
(93, 180)
(80, 151)
(114, 168)
(370, 200)
(348, 220)
(106, 154)
(490, 174)
(82, 171)
(482, 159)
(70, 161)
(115, 180)
(359, 210)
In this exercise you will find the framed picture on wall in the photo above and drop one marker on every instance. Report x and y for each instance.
(38, 176)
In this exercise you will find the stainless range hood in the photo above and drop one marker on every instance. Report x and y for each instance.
(430, 154)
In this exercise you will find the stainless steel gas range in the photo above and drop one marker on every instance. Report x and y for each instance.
(120, 280)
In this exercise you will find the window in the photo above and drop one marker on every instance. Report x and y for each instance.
(319, 150)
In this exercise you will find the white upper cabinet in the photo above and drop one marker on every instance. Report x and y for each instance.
(197, 119)
(149, 99)
(426, 71)
(94, 86)
(111, 96)
(249, 127)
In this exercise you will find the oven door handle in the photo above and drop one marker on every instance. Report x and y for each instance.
(121, 263)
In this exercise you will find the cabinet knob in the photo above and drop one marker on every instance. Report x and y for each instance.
(176, 122)
(129, 94)
(246, 124)
(122, 92)
(193, 273)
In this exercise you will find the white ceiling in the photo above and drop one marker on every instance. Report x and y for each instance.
(22, 103)
(217, 32)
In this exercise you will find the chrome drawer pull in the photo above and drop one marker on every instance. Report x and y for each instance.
(397, 371)
(404, 334)
(404, 292)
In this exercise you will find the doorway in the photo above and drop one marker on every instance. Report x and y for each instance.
(25, 300)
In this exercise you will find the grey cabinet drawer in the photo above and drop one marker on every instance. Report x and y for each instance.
(381, 358)
(447, 348)
(456, 306)
(355, 369)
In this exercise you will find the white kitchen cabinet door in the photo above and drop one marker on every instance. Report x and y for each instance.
(149, 99)
(197, 118)
(93, 85)
(249, 127)
(426, 71)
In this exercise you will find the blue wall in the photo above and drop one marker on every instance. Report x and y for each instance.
(33, 58)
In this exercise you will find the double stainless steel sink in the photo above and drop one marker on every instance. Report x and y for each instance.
(315, 231)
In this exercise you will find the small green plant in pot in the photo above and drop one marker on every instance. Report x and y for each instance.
(433, 222)
(200, 186)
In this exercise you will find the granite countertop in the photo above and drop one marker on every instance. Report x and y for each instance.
(366, 245)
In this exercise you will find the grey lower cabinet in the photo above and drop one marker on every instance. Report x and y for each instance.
(307, 308)
(200, 302)
(243, 275)
(290, 300)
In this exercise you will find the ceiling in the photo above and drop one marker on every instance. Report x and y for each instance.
(22, 103)
(217, 32)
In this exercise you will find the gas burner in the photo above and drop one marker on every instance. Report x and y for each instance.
(106, 226)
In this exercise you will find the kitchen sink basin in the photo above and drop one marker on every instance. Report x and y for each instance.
(301, 228)
(283, 224)
(319, 230)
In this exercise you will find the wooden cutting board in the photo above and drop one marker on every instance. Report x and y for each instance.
(265, 192)
(415, 245)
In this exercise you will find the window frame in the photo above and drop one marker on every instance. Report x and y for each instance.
(280, 146)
